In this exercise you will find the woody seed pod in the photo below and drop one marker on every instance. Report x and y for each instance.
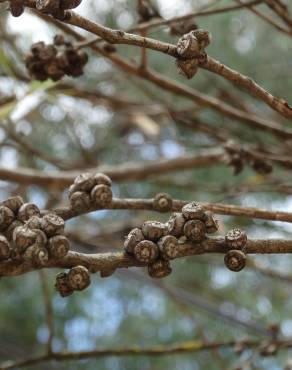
(10, 229)
(162, 202)
(84, 182)
(168, 246)
(175, 224)
(134, 237)
(195, 230)
(23, 237)
(27, 210)
(211, 223)
(69, 4)
(6, 217)
(34, 222)
(62, 285)
(235, 260)
(58, 246)
(59, 40)
(80, 200)
(41, 238)
(187, 67)
(78, 278)
(193, 211)
(37, 254)
(101, 195)
(14, 203)
(102, 179)
(159, 269)
(236, 239)
(188, 45)
(52, 224)
(204, 37)
(153, 230)
(5, 249)
(146, 251)
(106, 273)
(47, 6)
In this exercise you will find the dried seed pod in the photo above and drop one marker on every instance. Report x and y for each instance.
(23, 237)
(154, 230)
(176, 224)
(84, 182)
(101, 195)
(41, 238)
(52, 224)
(37, 254)
(27, 210)
(236, 239)
(134, 237)
(78, 278)
(162, 202)
(159, 269)
(187, 67)
(10, 229)
(34, 222)
(146, 251)
(211, 223)
(80, 201)
(102, 179)
(188, 45)
(193, 211)
(195, 230)
(168, 247)
(62, 284)
(58, 246)
(14, 203)
(6, 217)
(5, 249)
(59, 40)
(106, 273)
(16, 7)
(204, 37)
(235, 260)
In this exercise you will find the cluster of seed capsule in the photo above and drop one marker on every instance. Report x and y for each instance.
(55, 60)
(156, 243)
(235, 258)
(191, 51)
(89, 189)
(77, 278)
(26, 236)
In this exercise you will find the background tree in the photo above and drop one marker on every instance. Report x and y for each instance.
(152, 108)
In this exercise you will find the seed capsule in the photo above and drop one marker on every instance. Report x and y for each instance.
(146, 251)
(236, 239)
(159, 269)
(80, 201)
(153, 230)
(101, 195)
(211, 223)
(52, 224)
(235, 260)
(78, 278)
(193, 211)
(134, 237)
(62, 285)
(37, 254)
(27, 210)
(195, 230)
(5, 249)
(58, 246)
(34, 222)
(176, 224)
(23, 237)
(14, 203)
(6, 217)
(162, 202)
(84, 182)
(168, 247)
(10, 229)
(102, 179)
